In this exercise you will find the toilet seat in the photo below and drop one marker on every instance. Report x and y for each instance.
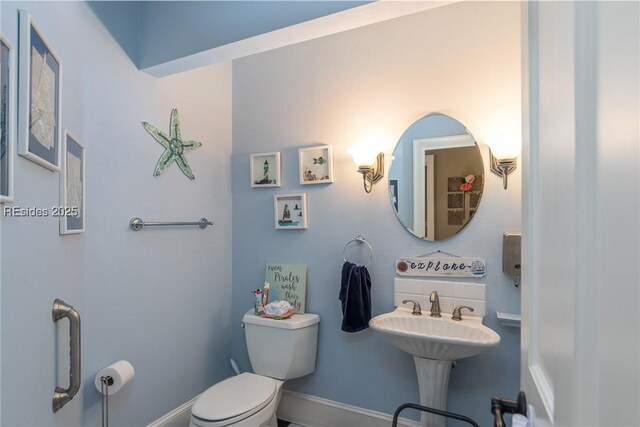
(220, 404)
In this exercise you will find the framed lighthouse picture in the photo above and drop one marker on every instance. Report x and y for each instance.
(290, 211)
(265, 170)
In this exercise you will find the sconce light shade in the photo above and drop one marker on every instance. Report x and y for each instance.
(504, 148)
(370, 164)
(504, 154)
(362, 155)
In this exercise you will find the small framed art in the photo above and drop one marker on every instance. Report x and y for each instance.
(290, 211)
(7, 123)
(265, 170)
(393, 193)
(39, 97)
(316, 165)
(72, 186)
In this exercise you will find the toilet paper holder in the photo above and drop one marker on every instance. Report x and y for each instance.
(105, 382)
(110, 380)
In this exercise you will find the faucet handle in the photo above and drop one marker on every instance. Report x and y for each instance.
(417, 310)
(456, 312)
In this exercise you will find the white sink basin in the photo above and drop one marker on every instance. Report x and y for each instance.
(435, 338)
(434, 342)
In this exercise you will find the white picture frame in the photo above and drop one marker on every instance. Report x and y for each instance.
(72, 209)
(290, 211)
(265, 170)
(7, 119)
(39, 139)
(315, 165)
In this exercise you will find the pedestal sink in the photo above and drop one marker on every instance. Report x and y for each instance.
(434, 343)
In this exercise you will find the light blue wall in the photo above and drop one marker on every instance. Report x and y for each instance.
(378, 79)
(122, 19)
(402, 166)
(161, 298)
(158, 298)
(154, 32)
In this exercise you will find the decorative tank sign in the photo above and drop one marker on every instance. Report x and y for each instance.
(441, 266)
(175, 146)
(288, 282)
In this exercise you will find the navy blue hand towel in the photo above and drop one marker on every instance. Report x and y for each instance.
(355, 295)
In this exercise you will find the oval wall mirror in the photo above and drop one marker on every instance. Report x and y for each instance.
(436, 177)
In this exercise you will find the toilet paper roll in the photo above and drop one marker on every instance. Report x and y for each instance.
(122, 372)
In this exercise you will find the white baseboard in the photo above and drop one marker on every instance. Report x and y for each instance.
(311, 411)
(303, 409)
(179, 417)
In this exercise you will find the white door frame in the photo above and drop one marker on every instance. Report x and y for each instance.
(581, 204)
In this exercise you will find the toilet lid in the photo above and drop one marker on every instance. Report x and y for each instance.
(234, 396)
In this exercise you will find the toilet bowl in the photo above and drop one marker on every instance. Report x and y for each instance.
(246, 400)
(278, 350)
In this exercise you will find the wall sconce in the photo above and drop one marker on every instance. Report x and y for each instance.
(370, 165)
(504, 156)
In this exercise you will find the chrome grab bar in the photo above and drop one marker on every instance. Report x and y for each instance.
(61, 395)
(137, 224)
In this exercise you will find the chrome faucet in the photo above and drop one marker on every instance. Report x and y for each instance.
(417, 310)
(456, 312)
(435, 304)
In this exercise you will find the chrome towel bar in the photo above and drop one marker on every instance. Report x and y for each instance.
(137, 224)
(60, 310)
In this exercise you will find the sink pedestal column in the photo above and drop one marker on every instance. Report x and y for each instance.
(433, 383)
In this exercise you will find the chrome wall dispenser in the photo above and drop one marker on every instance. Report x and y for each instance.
(511, 258)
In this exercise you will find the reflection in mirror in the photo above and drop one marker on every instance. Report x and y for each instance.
(436, 177)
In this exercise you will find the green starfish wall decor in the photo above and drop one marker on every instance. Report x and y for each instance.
(174, 145)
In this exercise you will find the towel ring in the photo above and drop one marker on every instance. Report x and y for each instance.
(359, 239)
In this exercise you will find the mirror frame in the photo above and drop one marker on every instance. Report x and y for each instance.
(410, 230)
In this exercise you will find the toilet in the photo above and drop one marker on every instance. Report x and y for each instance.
(279, 350)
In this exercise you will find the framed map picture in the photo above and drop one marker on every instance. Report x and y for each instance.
(72, 186)
(39, 96)
(7, 114)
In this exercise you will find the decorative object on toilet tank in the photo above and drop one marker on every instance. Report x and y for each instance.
(72, 186)
(175, 146)
(7, 114)
(265, 170)
(39, 97)
(290, 211)
(288, 282)
(316, 165)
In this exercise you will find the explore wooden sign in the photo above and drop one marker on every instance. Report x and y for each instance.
(441, 266)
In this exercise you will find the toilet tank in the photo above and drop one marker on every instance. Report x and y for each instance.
(282, 349)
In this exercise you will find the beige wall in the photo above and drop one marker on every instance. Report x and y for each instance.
(453, 162)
